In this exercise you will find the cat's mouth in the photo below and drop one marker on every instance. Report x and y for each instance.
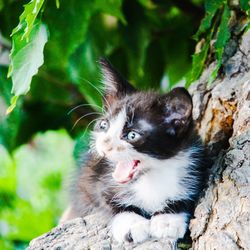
(125, 171)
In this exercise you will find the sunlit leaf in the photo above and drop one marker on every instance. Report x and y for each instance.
(28, 17)
(26, 58)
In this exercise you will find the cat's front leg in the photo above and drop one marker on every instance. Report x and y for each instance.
(130, 227)
(170, 226)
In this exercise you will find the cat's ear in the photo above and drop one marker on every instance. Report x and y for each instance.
(115, 86)
(178, 111)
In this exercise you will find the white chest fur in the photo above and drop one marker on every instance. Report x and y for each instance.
(167, 180)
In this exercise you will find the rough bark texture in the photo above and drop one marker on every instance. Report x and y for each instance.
(222, 217)
(90, 233)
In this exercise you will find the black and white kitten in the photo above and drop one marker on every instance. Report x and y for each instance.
(146, 167)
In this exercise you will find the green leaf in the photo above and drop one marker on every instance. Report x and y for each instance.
(68, 27)
(28, 18)
(198, 64)
(245, 6)
(223, 36)
(112, 7)
(211, 8)
(10, 123)
(26, 58)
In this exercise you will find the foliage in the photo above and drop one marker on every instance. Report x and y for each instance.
(53, 66)
(26, 57)
(29, 38)
(32, 201)
(216, 26)
(76, 43)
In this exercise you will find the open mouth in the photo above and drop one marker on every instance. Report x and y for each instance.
(125, 171)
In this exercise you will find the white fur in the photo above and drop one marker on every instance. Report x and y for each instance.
(160, 184)
(170, 226)
(132, 224)
(164, 180)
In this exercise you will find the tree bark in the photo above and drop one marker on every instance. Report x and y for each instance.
(222, 217)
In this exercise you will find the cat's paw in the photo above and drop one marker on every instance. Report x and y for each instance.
(130, 227)
(170, 226)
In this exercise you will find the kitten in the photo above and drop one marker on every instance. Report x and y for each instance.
(146, 167)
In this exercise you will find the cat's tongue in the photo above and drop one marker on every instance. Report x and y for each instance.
(124, 171)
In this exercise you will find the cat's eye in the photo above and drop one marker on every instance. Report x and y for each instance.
(104, 125)
(133, 136)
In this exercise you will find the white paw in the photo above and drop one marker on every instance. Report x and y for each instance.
(171, 226)
(130, 227)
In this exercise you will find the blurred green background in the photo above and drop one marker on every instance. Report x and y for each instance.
(149, 41)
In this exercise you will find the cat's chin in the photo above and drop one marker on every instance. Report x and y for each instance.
(125, 171)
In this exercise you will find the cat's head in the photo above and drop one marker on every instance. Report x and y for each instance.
(139, 127)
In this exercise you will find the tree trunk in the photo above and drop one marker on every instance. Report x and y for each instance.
(222, 217)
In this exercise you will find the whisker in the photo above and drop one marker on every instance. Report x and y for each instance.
(92, 113)
(92, 85)
(89, 125)
(83, 105)
(98, 90)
